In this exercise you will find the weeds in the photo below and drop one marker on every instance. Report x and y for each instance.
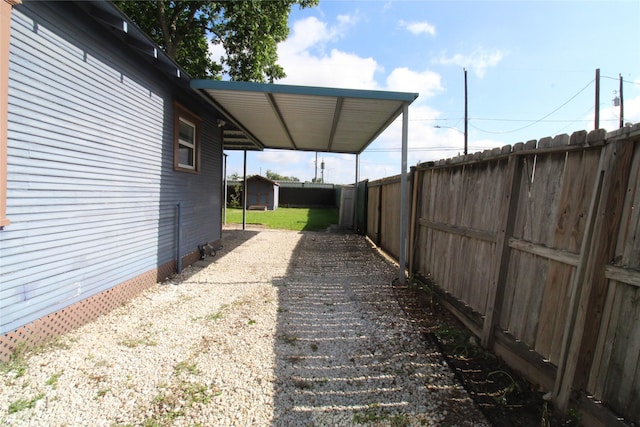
(289, 339)
(218, 314)
(53, 379)
(17, 366)
(103, 392)
(136, 342)
(186, 366)
(375, 415)
(175, 402)
(512, 387)
(302, 384)
(22, 404)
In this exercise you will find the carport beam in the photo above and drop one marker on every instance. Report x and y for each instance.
(244, 193)
(355, 197)
(403, 196)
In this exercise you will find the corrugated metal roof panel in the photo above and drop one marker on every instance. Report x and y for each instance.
(304, 117)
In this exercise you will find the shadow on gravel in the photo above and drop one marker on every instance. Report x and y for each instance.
(232, 239)
(342, 356)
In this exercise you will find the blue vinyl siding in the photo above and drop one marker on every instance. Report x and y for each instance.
(91, 191)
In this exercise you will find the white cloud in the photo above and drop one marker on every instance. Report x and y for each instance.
(338, 69)
(427, 83)
(478, 60)
(418, 28)
(305, 61)
(307, 33)
(610, 116)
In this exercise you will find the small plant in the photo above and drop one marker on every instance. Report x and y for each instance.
(302, 384)
(174, 402)
(103, 392)
(544, 421)
(186, 366)
(574, 417)
(375, 415)
(22, 404)
(370, 415)
(17, 366)
(314, 347)
(53, 379)
(251, 322)
(512, 387)
(218, 314)
(136, 342)
(289, 339)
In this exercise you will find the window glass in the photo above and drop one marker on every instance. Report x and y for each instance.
(186, 149)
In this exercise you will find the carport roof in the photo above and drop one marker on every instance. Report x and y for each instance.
(301, 117)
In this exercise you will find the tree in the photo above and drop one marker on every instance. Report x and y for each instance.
(273, 176)
(249, 31)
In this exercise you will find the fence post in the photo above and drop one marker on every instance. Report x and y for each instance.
(500, 265)
(379, 207)
(589, 282)
(412, 218)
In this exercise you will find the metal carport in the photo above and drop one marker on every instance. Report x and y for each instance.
(309, 118)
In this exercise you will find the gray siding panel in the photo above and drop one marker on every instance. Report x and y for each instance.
(91, 191)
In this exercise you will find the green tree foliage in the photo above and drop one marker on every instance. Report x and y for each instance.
(249, 30)
(273, 176)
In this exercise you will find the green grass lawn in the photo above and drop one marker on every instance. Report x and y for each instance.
(312, 219)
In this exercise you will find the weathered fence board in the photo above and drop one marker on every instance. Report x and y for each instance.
(542, 241)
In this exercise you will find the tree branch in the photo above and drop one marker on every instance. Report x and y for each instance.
(166, 31)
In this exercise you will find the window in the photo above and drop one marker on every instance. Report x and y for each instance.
(186, 149)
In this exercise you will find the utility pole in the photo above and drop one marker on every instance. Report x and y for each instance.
(466, 116)
(621, 105)
(322, 169)
(596, 124)
(315, 179)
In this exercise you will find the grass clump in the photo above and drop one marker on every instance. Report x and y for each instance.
(22, 404)
(146, 341)
(174, 402)
(17, 366)
(53, 379)
(186, 367)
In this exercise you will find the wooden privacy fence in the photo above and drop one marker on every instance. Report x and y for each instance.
(536, 247)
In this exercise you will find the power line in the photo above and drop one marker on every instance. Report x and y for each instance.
(618, 79)
(542, 118)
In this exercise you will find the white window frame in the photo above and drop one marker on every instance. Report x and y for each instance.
(192, 145)
(182, 115)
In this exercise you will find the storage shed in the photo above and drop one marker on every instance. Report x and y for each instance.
(262, 193)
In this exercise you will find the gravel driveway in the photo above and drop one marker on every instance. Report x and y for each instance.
(279, 329)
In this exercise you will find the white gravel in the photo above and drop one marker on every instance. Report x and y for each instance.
(281, 329)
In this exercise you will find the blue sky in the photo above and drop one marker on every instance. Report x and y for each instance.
(530, 73)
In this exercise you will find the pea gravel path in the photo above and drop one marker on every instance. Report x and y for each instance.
(279, 329)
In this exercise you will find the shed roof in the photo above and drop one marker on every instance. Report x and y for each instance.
(303, 118)
(262, 178)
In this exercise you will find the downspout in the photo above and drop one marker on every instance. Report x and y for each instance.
(178, 238)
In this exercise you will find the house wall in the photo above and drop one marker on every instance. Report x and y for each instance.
(91, 191)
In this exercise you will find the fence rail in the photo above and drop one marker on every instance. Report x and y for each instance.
(537, 247)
